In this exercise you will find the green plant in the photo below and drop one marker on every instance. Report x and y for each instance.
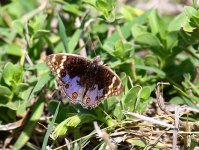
(142, 47)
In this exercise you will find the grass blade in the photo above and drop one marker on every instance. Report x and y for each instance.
(50, 128)
(62, 33)
(30, 126)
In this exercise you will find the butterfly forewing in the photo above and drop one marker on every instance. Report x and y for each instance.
(84, 81)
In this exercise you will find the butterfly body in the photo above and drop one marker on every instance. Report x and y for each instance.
(83, 81)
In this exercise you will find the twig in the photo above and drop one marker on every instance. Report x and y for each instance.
(160, 101)
(148, 147)
(152, 120)
(67, 143)
(175, 131)
(102, 134)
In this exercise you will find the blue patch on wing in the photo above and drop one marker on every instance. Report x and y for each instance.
(71, 87)
(93, 97)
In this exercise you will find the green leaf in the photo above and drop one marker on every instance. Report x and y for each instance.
(119, 48)
(90, 2)
(24, 95)
(142, 105)
(7, 34)
(74, 40)
(62, 33)
(190, 11)
(18, 26)
(72, 8)
(172, 41)
(13, 49)
(154, 22)
(50, 128)
(30, 125)
(153, 69)
(126, 30)
(73, 121)
(187, 27)
(5, 92)
(145, 93)
(21, 87)
(41, 66)
(177, 22)
(37, 23)
(104, 6)
(129, 12)
(149, 39)
(138, 143)
(118, 111)
(151, 60)
(131, 98)
(138, 30)
(177, 100)
(12, 74)
(99, 28)
(42, 81)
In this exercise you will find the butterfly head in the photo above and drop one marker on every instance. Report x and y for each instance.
(98, 61)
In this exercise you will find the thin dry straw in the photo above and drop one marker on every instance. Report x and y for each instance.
(148, 119)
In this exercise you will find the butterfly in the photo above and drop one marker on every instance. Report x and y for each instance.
(84, 81)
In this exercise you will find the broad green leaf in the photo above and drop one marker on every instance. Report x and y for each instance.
(131, 98)
(13, 49)
(190, 11)
(90, 2)
(145, 93)
(177, 23)
(154, 22)
(24, 103)
(149, 39)
(8, 34)
(138, 30)
(151, 60)
(130, 12)
(103, 6)
(12, 74)
(142, 105)
(5, 92)
(119, 48)
(41, 66)
(37, 23)
(138, 143)
(12, 105)
(21, 87)
(99, 28)
(187, 27)
(18, 26)
(118, 111)
(42, 81)
(177, 100)
(172, 41)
